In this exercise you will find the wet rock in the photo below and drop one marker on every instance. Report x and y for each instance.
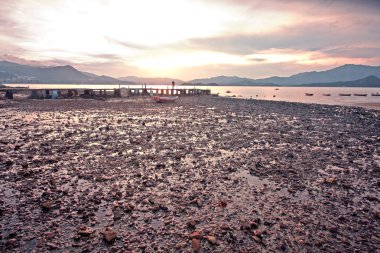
(283, 224)
(109, 235)
(331, 180)
(222, 203)
(47, 206)
(192, 223)
(196, 245)
(52, 246)
(258, 233)
(8, 163)
(211, 239)
(225, 226)
(85, 231)
(11, 243)
(372, 198)
(128, 207)
(195, 234)
(118, 213)
(256, 238)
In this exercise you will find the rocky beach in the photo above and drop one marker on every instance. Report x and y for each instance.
(204, 174)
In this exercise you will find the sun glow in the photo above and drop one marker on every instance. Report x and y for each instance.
(150, 37)
(94, 27)
(147, 34)
(170, 63)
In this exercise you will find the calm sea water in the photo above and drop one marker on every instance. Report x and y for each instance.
(291, 94)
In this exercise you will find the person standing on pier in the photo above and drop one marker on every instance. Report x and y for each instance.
(173, 84)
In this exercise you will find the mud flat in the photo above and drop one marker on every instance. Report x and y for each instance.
(204, 174)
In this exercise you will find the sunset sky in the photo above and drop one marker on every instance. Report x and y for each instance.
(191, 39)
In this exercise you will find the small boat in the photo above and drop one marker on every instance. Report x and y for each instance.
(277, 89)
(309, 94)
(327, 94)
(360, 94)
(377, 94)
(344, 94)
(162, 99)
(228, 91)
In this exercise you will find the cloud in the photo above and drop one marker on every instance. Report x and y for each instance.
(352, 52)
(309, 36)
(309, 8)
(255, 59)
(107, 57)
(125, 43)
(10, 27)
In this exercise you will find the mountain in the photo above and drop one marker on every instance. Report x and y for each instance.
(230, 80)
(152, 80)
(370, 81)
(17, 73)
(349, 72)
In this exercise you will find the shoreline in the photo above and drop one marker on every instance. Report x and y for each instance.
(291, 94)
(367, 106)
(220, 173)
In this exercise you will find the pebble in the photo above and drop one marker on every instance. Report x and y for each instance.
(196, 245)
(109, 235)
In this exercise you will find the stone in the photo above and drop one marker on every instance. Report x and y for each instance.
(196, 245)
(118, 213)
(330, 180)
(195, 234)
(46, 206)
(191, 223)
(211, 239)
(283, 224)
(256, 238)
(85, 231)
(109, 235)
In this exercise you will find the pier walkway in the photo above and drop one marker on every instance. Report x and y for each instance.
(104, 93)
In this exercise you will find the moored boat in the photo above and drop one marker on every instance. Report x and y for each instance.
(344, 94)
(327, 94)
(360, 94)
(164, 99)
(309, 94)
(376, 94)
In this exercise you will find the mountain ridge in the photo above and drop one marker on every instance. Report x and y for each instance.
(18, 73)
(347, 72)
(369, 81)
(345, 75)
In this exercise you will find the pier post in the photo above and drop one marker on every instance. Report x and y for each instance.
(9, 94)
(117, 93)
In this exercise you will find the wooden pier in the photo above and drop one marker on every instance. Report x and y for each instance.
(49, 93)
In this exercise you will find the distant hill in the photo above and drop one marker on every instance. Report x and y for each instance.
(347, 75)
(200, 84)
(17, 73)
(343, 73)
(370, 81)
(151, 80)
(230, 80)
(348, 72)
